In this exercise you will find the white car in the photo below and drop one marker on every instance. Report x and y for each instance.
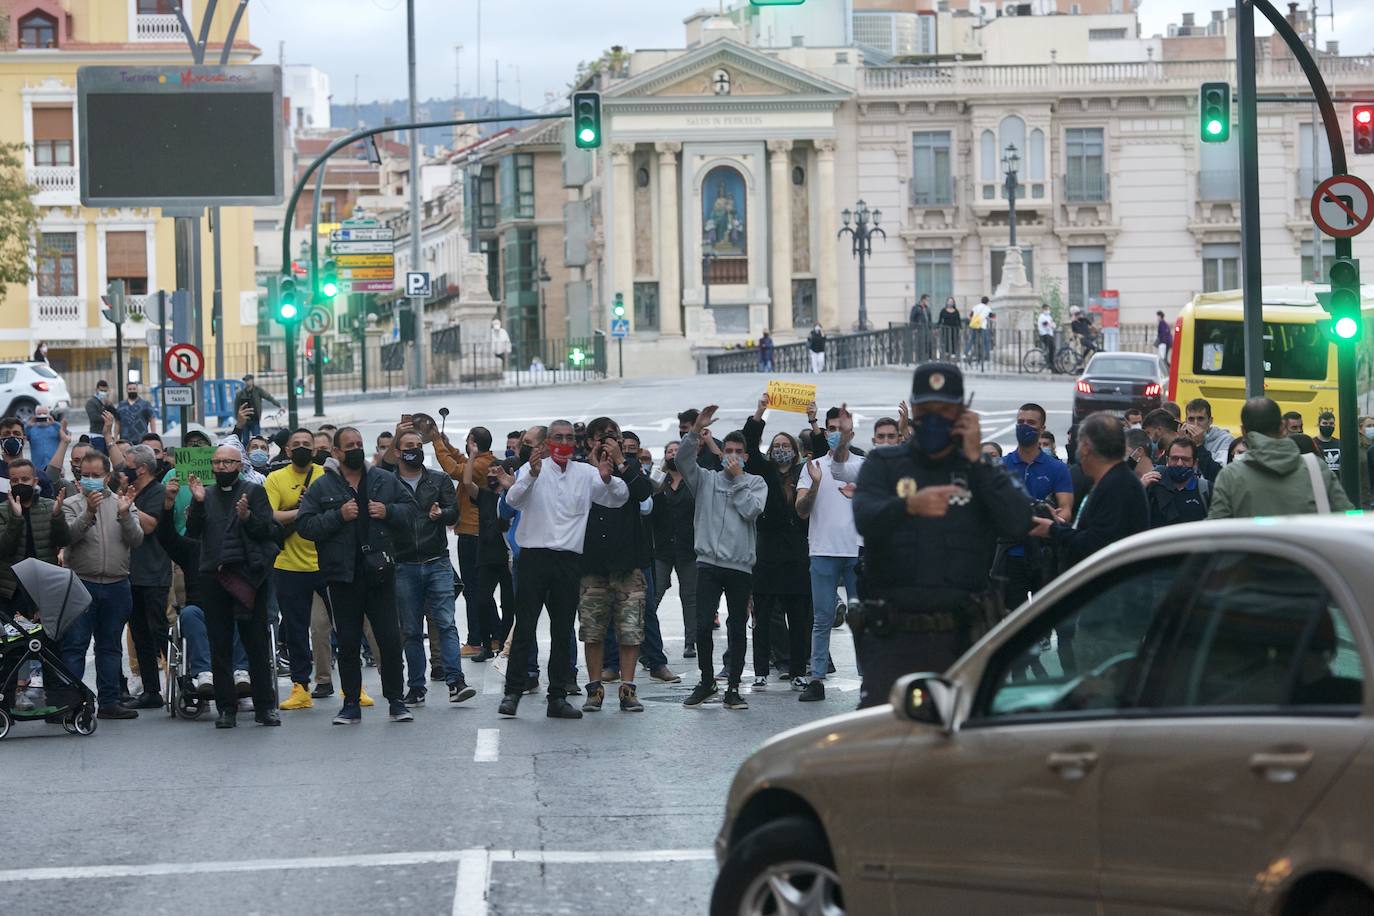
(26, 386)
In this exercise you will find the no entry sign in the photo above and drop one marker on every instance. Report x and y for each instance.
(1343, 206)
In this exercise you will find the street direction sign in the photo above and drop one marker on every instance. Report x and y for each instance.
(183, 363)
(347, 248)
(620, 327)
(1343, 206)
(363, 235)
(417, 284)
(364, 260)
(179, 395)
(370, 286)
(366, 273)
(318, 320)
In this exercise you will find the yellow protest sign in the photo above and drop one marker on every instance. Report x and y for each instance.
(790, 396)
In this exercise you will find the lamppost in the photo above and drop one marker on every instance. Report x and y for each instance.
(861, 232)
(1011, 164)
(544, 281)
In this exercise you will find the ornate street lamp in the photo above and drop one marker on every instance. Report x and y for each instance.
(864, 226)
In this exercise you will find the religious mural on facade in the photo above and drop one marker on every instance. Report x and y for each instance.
(723, 211)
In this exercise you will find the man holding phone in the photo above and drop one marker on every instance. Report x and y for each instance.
(253, 396)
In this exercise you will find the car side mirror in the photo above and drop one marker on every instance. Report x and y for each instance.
(925, 698)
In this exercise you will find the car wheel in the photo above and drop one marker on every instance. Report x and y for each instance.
(23, 409)
(1346, 901)
(783, 867)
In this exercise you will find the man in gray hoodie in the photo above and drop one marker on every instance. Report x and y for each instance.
(727, 503)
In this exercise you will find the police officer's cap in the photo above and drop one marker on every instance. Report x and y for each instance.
(937, 383)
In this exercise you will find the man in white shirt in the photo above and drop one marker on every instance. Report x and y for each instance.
(1044, 326)
(834, 542)
(554, 498)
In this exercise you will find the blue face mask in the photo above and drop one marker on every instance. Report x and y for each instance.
(258, 458)
(92, 484)
(1179, 474)
(933, 433)
(832, 439)
(1027, 434)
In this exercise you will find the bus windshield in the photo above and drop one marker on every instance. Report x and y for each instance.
(1295, 351)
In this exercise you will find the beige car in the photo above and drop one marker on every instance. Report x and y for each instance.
(1181, 724)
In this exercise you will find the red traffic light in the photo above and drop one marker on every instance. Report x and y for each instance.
(1363, 115)
(1363, 129)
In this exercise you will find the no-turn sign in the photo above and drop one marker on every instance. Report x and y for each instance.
(183, 363)
(1343, 206)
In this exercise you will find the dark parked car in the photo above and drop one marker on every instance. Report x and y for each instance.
(1117, 382)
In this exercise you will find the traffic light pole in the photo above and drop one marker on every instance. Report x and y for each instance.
(292, 416)
(1347, 414)
(315, 289)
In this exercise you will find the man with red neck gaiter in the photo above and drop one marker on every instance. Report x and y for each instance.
(554, 499)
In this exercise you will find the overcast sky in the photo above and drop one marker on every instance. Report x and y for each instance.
(545, 39)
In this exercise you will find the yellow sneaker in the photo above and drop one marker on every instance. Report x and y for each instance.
(299, 699)
(364, 699)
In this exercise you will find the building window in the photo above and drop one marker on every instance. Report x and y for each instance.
(1220, 267)
(646, 306)
(57, 264)
(1087, 273)
(989, 167)
(1219, 171)
(999, 255)
(126, 258)
(1106, 34)
(803, 303)
(521, 281)
(38, 30)
(931, 182)
(935, 275)
(1309, 270)
(1308, 175)
(52, 136)
(158, 7)
(798, 176)
(1085, 178)
(524, 186)
(895, 34)
(641, 177)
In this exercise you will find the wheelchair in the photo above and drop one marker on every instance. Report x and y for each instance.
(183, 701)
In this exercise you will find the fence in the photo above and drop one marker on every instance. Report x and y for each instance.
(993, 350)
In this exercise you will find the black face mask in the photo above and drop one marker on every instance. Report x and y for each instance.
(670, 464)
(1131, 462)
(132, 395)
(22, 491)
(301, 456)
(413, 458)
(1326, 431)
(226, 479)
(12, 445)
(322, 456)
(525, 452)
(493, 483)
(162, 468)
(354, 459)
(131, 475)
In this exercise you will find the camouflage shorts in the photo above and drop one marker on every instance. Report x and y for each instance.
(618, 594)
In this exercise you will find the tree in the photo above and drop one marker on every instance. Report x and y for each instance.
(18, 218)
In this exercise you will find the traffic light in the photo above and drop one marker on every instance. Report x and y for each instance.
(1347, 322)
(586, 112)
(116, 309)
(618, 310)
(288, 306)
(329, 279)
(1363, 129)
(1214, 108)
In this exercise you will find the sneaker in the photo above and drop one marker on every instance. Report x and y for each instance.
(283, 666)
(629, 701)
(723, 673)
(689, 652)
(509, 704)
(147, 701)
(399, 712)
(562, 709)
(841, 612)
(322, 690)
(227, 719)
(116, 712)
(471, 651)
(798, 683)
(610, 675)
(700, 694)
(484, 655)
(532, 686)
(436, 673)
(814, 692)
(733, 700)
(665, 674)
(204, 684)
(243, 685)
(22, 701)
(596, 694)
(300, 698)
(460, 692)
(267, 717)
(572, 690)
(415, 696)
(760, 683)
(351, 714)
(364, 699)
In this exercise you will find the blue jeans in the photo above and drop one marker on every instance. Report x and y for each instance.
(827, 575)
(294, 594)
(651, 654)
(198, 642)
(427, 589)
(105, 619)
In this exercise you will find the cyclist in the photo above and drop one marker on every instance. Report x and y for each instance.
(1082, 327)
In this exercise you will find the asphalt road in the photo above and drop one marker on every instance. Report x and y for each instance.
(460, 812)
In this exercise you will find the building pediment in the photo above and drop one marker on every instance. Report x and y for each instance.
(724, 70)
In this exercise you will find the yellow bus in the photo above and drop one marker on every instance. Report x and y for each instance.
(1208, 355)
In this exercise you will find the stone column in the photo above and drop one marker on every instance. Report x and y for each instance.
(669, 246)
(780, 190)
(827, 273)
(622, 234)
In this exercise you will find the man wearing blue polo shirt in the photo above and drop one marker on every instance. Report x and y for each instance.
(1046, 479)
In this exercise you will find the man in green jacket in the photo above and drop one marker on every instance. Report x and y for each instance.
(1272, 478)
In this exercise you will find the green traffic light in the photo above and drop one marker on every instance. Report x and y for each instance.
(330, 289)
(287, 311)
(1346, 328)
(1214, 127)
(588, 135)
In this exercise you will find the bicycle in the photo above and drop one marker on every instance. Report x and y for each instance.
(1070, 361)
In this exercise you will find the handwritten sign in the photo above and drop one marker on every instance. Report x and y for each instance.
(194, 461)
(790, 396)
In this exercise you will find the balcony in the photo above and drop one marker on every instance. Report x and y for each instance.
(1087, 188)
(58, 317)
(939, 193)
(1218, 185)
(57, 184)
(157, 27)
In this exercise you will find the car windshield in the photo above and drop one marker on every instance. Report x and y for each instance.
(1123, 365)
(1296, 351)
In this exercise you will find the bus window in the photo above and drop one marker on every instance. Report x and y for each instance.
(1292, 351)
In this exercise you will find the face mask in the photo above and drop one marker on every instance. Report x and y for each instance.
(832, 439)
(1134, 426)
(493, 483)
(22, 491)
(933, 433)
(131, 475)
(321, 456)
(670, 464)
(734, 461)
(12, 445)
(1326, 431)
(301, 455)
(1368, 432)
(1131, 461)
(103, 395)
(525, 452)
(1179, 474)
(226, 479)
(561, 452)
(258, 458)
(353, 459)
(510, 453)
(132, 395)
(1027, 434)
(92, 484)
(413, 457)
(783, 455)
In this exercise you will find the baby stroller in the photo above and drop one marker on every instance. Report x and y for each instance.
(60, 599)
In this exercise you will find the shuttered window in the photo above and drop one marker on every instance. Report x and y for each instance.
(52, 136)
(126, 255)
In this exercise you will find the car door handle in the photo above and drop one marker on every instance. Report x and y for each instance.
(1072, 764)
(1281, 764)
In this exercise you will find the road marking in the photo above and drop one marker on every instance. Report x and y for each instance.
(488, 745)
(473, 884)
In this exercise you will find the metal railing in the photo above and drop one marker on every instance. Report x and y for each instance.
(1088, 188)
(63, 310)
(53, 179)
(157, 27)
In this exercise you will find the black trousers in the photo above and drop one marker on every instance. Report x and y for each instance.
(219, 625)
(148, 627)
(496, 622)
(296, 593)
(797, 611)
(712, 582)
(552, 578)
(372, 597)
(883, 659)
(468, 572)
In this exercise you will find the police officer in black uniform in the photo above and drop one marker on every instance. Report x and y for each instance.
(930, 513)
